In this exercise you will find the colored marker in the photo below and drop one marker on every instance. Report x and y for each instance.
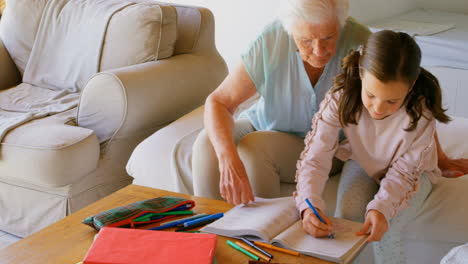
(214, 216)
(253, 251)
(193, 217)
(173, 224)
(197, 224)
(236, 247)
(153, 216)
(276, 248)
(257, 248)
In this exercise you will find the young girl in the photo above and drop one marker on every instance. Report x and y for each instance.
(387, 106)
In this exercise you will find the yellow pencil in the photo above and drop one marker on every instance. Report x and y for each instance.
(253, 251)
(276, 248)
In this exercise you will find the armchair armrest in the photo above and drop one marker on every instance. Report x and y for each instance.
(145, 97)
(9, 74)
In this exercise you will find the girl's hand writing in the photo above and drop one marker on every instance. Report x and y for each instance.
(313, 226)
(378, 224)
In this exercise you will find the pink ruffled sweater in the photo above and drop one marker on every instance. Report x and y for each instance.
(393, 157)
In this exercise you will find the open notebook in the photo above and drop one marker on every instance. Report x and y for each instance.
(277, 221)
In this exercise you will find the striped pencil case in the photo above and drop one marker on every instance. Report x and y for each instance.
(125, 216)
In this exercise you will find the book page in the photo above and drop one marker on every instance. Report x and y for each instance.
(264, 219)
(414, 27)
(345, 242)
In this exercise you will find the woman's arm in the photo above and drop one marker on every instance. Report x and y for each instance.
(218, 119)
(451, 168)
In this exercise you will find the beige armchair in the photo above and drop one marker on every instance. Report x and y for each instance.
(55, 164)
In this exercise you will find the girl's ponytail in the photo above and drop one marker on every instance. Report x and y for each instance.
(425, 92)
(349, 81)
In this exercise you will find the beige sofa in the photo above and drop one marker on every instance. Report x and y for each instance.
(156, 62)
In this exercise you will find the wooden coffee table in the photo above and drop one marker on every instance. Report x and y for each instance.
(67, 241)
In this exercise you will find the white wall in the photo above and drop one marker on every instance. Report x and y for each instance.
(369, 10)
(239, 21)
(458, 6)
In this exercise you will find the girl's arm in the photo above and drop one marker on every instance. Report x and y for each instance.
(402, 178)
(315, 161)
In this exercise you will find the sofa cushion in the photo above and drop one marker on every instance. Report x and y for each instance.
(142, 32)
(18, 27)
(49, 152)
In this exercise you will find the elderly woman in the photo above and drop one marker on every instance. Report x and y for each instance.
(291, 65)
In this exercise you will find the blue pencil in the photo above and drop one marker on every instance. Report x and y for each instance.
(318, 215)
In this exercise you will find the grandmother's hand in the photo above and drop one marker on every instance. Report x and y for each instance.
(234, 184)
(452, 168)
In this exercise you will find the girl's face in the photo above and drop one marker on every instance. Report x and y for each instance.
(382, 99)
(316, 43)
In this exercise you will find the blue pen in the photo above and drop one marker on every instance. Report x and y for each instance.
(172, 224)
(201, 219)
(318, 215)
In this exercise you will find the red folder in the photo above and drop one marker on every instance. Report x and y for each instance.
(136, 246)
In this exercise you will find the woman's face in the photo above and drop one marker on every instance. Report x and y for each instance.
(382, 99)
(316, 42)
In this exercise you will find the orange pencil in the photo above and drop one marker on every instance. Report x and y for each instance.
(276, 248)
(253, 251)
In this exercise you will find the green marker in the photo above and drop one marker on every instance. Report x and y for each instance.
(232, 244)
(148, 216)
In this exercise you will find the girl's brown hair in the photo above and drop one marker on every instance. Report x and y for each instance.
(389, 56)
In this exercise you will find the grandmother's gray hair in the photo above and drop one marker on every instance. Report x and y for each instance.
(312, 11)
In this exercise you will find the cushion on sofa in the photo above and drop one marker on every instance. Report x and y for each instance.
(148, 27)
(18, 28)
(49, 152)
